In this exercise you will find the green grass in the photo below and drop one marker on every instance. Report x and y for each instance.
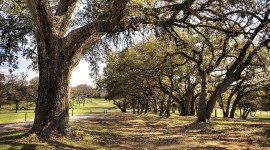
(127, 131)
(8, 115)
(98, 102)
(259, 114)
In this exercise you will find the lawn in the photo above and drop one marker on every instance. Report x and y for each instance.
(96, 105)
(127, 131)
(8, 115)
(258, 114)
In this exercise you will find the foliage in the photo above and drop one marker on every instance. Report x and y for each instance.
(16, 89)
(219, 40)
(16, 33)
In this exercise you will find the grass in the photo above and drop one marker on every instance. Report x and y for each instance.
(127, 131)
(96, 102)
(8, 115)
(259, 114)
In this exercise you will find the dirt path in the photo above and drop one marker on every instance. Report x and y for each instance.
(19, 125)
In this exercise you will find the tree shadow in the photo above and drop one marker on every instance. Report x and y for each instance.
(9, 140)
(17, 139)
(60, 145)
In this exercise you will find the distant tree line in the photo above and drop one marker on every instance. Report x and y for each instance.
(83, 92)
(16, 89)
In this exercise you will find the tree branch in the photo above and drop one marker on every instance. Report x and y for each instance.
(42, 17)
(63, 15)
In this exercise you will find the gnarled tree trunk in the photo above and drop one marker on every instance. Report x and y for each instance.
(52, 103)
(59, 51)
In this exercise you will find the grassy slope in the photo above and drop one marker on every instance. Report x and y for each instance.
(127, 131)
(8, 115)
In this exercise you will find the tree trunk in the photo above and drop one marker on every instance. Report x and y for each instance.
(189, 98)
(182, 109)
(245, 113)
(124, 110)
(233, 108)
(217, 93)
(51, 114)
(167, 111)
(142, 106)
(134, 110)
(226, 114)
(221, 105)
(146, 105)
(238, 98)
(17, 107)
(216, 110)
(202, 101)
(134, 107)
(155, 107)
(59, 51)
(161, 107)
(192, 111)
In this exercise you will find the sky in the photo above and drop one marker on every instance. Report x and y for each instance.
(80, 74)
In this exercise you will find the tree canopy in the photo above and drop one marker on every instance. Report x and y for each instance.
(220, 40)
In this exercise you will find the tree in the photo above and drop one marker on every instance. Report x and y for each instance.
(32, 90)
(15, 89)
(2, 91)
(81, 92)
(59, 49)
(219, 44)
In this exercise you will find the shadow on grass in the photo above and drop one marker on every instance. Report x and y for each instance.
(150, 133)
(60, 145)
(126, 131)
(16, 140)
(9, 141)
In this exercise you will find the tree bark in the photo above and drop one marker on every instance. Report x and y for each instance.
(17, 107)
(216, 94)
(238, 98)
(202, 101)
(235, 103)
(192, 111)
(161, 106)
(181, 107)
(59, 51)
(146, 105)
(52, 103)
(234, 91)
(226, 114)
(167, 111)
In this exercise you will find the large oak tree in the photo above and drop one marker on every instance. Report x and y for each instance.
(60, 49)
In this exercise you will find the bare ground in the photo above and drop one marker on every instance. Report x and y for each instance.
(127, 131)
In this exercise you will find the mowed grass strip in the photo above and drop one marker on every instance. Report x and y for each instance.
(127, 131)
(97, 105)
